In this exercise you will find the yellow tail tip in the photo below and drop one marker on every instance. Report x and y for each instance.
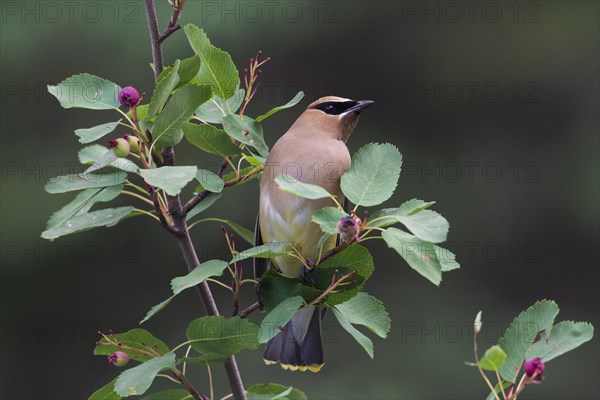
(303, 368)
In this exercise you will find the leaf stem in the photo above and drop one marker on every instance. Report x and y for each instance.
(146, 213)
(137, 196)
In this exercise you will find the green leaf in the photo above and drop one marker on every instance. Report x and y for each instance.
(354, 258)
(367, 311)
(276, 288)
(360, 337)
(134, 339)
(82, 203)
(195, 277)
(136, 380)
(301, 189)
(424, 224)
(246, 130)
(203, 205)
(328, 219)
(198, 275)
(521, 333)
(565, 336)
(278, 317)
(94, 219)
(171, 394)
(420, 255)
(289, 104)
(270, 391)
(69, 183)
(244, 233)
(364, 309)
(165, 84)
(232, 175)
(166, 131)
(220, 335)
(92, 154)
(210, 181)
(87, 91)
(91, 134)
(268, 250)
(216, 109)
(106, 392)
(170, 179)
(217, 69)
(373, 176)
(107, 159)
(210, 139)
(188, 69)
(492, 359)
(446, 258)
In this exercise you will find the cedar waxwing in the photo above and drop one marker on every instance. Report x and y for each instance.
(312, 151)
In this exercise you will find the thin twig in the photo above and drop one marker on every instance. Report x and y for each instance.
(249, 310)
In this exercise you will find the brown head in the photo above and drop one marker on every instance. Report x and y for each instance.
(333, 116)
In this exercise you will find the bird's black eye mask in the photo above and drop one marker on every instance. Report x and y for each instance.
(335, 107)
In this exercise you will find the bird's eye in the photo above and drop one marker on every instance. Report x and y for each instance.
(329, 107)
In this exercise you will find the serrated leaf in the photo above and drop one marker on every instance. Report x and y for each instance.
(420, 255)
(295, 100)
(246, 130)
(360, 337)
(521, 333)
(210, 139)
(270, 391)
(203, 205)
(136, 380)
(354, 258)
(216, 109)
(87, 91)
(364, 309)
(565, 336)
(195, 277)
(268, 250)
(165, 84)
(492, 359)
(425, 224)
(106, 392)
(170, 179)
(210, 181)
(82, 203)
(373, 176)
(328, 219)
(367, 311)
(91, 134)
(217, 69)
(171, 394)
(82, 222)
(92, 154)
(69, 183)
(301, 189)
(220, 335)
(166, 130)
(134, 339)
(278, 317)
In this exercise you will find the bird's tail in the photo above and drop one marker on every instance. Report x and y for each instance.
(298, 346)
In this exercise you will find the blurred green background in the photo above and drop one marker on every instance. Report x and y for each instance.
(494, 106)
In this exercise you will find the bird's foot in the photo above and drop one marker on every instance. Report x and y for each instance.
(306, 276)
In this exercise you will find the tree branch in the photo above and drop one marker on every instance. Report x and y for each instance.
(174, 202)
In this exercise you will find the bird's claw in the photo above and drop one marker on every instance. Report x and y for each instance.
(306, 276)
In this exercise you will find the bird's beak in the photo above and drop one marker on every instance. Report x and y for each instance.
(361, 105)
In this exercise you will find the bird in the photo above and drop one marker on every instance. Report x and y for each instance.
(313, 151)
